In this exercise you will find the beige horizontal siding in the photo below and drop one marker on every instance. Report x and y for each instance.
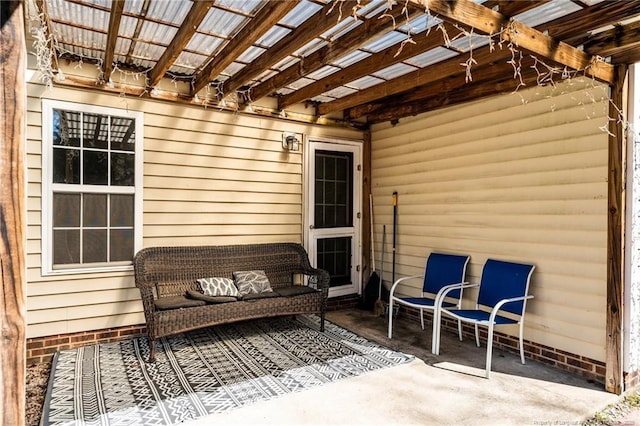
(512, 180)
(210, 177)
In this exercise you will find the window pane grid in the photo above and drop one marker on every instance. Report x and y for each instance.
(334, 190)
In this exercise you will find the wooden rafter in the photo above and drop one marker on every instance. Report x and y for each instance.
(320, 22)
(112, 35)
(197, 13)
(375, 26)
(491, 22)
(620, 39)
(266, 17)
(41, 5)
(482, 56)
(423, 41)
(136, 33)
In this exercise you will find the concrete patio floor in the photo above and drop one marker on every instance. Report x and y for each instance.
(449, 389)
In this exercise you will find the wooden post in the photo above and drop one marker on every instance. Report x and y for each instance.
(12, 213)
(615, 236)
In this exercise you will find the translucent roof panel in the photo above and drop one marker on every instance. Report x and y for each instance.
(394, 71)
(284, 91)
(373, 8)
(169, 11)
(468, 43)
(300, 13)
(431, 57)
(351, 58)
(344, 26)
(233, 68)
(300, 83)
(272, 36)
(225, 23)
(245, 6)
(364, 82)
(310, 47)
(323, 72)
(418, 24)
(547, 12)
(285, 63)
(186, 63)
(127, 26)
(250, 54)
(72, 12)
(152, 31)
(322, 98)
(385, 41)
(204, 43)
(146, 51)
(265, 76)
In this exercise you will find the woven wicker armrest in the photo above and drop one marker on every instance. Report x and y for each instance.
(318, 278)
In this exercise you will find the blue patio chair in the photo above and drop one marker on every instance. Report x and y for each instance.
(441, 272)
(502, 299)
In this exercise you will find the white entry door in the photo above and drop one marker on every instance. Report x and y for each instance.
(333, 206)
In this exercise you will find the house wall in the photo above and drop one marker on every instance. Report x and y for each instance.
(210, 177)
(520, 177)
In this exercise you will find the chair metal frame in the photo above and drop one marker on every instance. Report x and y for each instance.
(490, 286)
(443, 272)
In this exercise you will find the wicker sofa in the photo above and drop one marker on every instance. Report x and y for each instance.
(171, 273)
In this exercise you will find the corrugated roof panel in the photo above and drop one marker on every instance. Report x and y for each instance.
(204, 43)
(284, 91)
(223, 22)
(73, 13)
(155, 32)
(467, 43)
(300, 13)
(146, 51)
(250, 54)
(233, 68)
(373, 8)
(431, 57)
(133, 6)
(310, 47)
(340, 91)
(285, 63)
(169, 11)
(300, 83)
(186, 63)
(322, 72)
(364, 82)
(547, 12)
(344, 26)
(351, 58)
(394, 71)
(418, 24)
(265, 75)
(127, 26)
(246, 6)
(272, 36)
(122, 47)
(385, 41)
(322, 98)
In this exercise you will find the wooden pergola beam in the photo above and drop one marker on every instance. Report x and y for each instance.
(375, 26)
(491, 22)
(320, 22)
(197, 13)
(12, 213)
(608, 43)
(115, 16)
(615, 236)
(266, 17)
(482, 56)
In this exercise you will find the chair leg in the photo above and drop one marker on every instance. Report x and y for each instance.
(489, 350)
(521, 344)
(422, 318)
(152, 347)
(390, 332)
(460, 330)
(477, 336)
(435, 338)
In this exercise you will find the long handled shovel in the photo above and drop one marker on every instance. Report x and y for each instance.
(378, 307)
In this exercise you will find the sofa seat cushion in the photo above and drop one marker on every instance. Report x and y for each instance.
(295, 290)
(196, 295)
(257, 296)
(176, 302)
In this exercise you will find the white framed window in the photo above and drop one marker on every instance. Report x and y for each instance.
(91, 187)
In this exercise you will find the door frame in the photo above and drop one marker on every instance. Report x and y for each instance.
(334, 144)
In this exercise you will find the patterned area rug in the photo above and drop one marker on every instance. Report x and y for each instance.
(205, 371)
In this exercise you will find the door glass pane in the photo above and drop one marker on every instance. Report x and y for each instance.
(333, 189)
(334, 256)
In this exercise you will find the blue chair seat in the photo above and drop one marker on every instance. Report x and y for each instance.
(479, 316)
(422, 302)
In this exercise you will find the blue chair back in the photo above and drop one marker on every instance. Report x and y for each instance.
(444, 269)
(504, 280)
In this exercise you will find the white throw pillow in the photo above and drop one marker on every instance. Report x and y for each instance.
(218, 286)
(252, 282)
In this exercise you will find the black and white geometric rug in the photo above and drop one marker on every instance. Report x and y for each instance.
(205, 371)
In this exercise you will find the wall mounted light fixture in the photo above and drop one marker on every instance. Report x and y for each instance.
(290, 141)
